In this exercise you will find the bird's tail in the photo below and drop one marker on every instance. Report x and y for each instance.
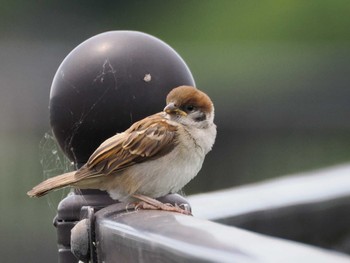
(53, 183)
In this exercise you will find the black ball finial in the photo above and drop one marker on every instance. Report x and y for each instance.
(107, 83)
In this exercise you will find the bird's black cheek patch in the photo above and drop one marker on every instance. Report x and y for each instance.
(200, 117)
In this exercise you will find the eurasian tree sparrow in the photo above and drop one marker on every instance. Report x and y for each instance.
(154, 157)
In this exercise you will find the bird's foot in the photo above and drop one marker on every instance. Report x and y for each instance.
(148, 203)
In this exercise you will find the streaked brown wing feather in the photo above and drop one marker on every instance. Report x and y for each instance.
(147, 139)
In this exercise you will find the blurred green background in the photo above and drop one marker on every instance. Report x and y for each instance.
(277, 71)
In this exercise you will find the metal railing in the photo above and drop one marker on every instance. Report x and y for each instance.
(310, 208)
(151, 236)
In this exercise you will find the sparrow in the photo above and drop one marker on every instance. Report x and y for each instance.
(156, 156)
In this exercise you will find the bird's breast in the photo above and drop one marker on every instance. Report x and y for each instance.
(161, 176)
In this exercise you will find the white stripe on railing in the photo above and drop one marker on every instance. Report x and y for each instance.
(303, 188)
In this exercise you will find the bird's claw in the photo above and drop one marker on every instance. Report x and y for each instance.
(147, 203)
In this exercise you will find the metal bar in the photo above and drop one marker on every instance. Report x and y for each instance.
(304, 188)
(311, 207)
(158, 236)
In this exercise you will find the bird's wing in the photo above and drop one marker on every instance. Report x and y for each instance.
(147, 139)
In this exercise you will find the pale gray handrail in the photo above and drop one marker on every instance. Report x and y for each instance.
(311, 207)
(297, 189)
(158, 236)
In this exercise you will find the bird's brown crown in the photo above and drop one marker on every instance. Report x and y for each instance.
(188, 95)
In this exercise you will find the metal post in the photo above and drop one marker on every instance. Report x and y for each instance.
(69, 214)
(103, 86)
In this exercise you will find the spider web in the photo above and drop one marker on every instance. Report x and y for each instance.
(52, 159)
(53, 162)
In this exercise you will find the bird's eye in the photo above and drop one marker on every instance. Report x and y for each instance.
(190, 108)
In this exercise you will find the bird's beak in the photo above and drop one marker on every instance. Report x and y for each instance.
(171, 108)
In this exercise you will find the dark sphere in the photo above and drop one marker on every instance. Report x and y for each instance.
(106, 84)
